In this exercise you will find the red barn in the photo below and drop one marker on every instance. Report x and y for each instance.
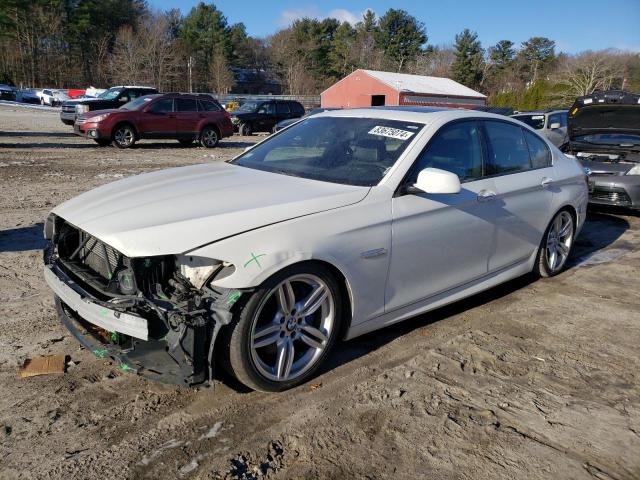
(366, 88)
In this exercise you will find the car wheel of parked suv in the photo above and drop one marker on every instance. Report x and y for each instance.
(103, 143)
(124, 136)
(246, 130)
(285, 329)
(209, 137)
(556, 245)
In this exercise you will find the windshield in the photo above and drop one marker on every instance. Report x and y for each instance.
(351, 151)
(534, 121)
(110, 94)
(248, 107)
(138, 103)
(621, 139)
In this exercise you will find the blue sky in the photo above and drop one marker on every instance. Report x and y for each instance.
(575, 25)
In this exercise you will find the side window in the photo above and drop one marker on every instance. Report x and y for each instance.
(47, 92)
(164, 105)
(267, 108)
(297, 108)
(508, 152)
(560, 118)
(186, 105)
(282, 108)
(205, 106)
(538, 151)
(456, 148)
(133, 94)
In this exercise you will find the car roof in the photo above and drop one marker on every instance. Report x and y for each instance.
(541, 112)
(412, 114)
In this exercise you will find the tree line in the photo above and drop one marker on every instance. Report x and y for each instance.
(71, 43)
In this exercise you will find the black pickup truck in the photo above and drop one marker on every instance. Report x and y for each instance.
(115, 97)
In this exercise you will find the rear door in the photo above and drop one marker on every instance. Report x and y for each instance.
(520, 165)
(158, 119)
(187, 117)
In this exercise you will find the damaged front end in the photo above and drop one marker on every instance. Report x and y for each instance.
(158, 316)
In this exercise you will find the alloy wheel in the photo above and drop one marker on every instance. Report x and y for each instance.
(124, 136)
(559, 241)
(292, 327)
(209, 138)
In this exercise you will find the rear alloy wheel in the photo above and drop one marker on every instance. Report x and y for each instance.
(556, 245)
(102, 142)
(209, 137)
(246, 130)
(124, 136)
(286, 329)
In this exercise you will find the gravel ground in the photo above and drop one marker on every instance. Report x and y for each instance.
(533, 379)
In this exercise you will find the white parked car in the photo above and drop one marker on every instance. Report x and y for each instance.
(52, 97)
(344, 223)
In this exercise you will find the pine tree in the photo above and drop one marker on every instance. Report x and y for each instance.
(468, 65)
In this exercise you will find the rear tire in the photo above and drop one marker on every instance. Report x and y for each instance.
(556, 245)
(271, 345)
(209, 137)
(124, 136)
(246, 130)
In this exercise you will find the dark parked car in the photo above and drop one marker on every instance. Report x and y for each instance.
(263, 115)
(604, 134)
(7, 92)
(186, 118)
(115, 97)
(28, 96)
(290, 121)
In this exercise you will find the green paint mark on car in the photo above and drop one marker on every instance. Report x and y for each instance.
(233, 298)
(113, 337)
(254, 258)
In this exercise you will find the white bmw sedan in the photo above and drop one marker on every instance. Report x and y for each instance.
(344, 223)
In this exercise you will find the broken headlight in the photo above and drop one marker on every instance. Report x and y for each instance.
(200, 270)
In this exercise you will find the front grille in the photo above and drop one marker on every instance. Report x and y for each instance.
(614, 195)
(98, 256)
(69, 108)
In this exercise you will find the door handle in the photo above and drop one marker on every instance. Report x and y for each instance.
(546, 181)
(486, 195)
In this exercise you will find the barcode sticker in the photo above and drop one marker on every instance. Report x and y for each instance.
(391, 132)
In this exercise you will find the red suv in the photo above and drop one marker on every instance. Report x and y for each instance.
(187, 118)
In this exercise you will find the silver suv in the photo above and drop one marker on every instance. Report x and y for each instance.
(550, 123)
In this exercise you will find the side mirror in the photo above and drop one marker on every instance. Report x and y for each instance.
(554, 126)
(435, 180)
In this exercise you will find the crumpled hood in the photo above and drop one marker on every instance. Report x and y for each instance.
(176, 210)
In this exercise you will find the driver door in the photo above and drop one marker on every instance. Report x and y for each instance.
(158, 120)
(266, 117)
(442, 241)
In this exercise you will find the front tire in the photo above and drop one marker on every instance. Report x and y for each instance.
(246, 130)
(556, 245)
(124, 136)
(285, 330)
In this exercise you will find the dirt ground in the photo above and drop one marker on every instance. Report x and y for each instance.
(536, 379)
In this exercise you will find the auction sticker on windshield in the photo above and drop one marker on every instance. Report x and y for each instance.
(391, 132)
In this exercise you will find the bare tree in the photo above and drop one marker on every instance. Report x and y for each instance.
(590, 71)
(221, 76)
